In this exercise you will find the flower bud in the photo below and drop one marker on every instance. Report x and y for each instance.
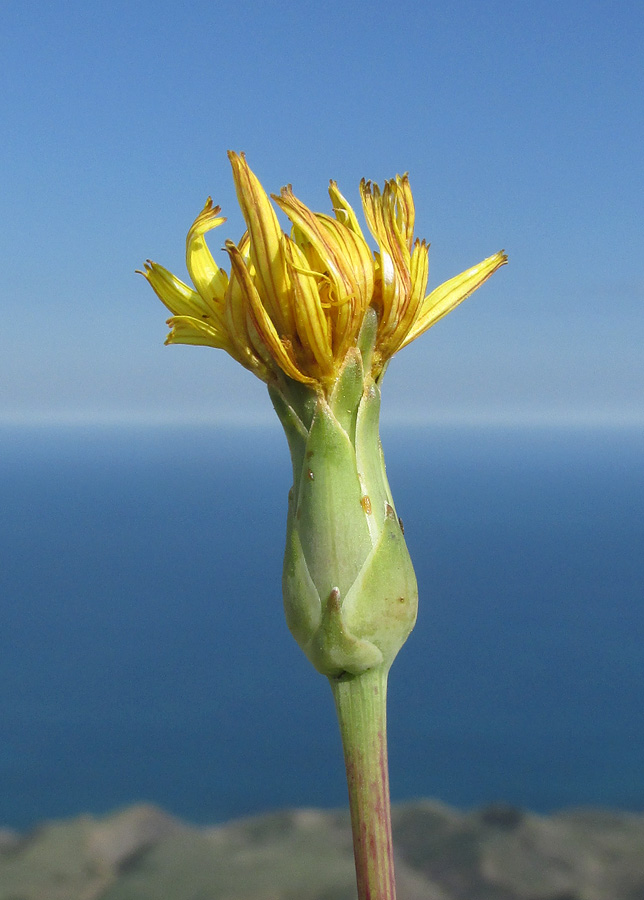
(350, 592)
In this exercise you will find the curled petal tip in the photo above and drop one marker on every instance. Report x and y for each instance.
(237, 157)
(286, 193)
(146, 271)
(497, 260)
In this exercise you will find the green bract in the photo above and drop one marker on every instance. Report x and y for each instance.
(350, 592)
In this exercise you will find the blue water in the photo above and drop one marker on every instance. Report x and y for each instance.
(144, 656)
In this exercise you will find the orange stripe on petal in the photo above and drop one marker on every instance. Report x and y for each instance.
(312, 324)
(265, 243)
(261, 319)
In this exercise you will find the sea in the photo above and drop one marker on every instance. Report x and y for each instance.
(144, 655)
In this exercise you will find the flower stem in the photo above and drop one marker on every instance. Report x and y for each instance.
(361, 705)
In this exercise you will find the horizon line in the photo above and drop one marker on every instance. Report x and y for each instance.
(592, 419)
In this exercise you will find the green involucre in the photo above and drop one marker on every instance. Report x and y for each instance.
(350, 592)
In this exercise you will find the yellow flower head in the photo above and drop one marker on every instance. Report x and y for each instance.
(295, 303)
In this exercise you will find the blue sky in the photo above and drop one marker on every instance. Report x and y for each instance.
(521, 126)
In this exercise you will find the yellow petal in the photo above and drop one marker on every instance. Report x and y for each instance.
(278, 349)
(266, 251)
(418, 272)
(345, 260)
(210, 280)
(394, 261)
(343, 211)
(188, 330)
(357, 263)
(312, 325)
(405, 212)
(180, 299)
(443, 299)
(307, 222)
(355, 256)
(236, 325)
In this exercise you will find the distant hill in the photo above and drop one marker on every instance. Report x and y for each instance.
(498, 853)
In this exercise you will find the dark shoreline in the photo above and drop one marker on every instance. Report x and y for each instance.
(494, 853)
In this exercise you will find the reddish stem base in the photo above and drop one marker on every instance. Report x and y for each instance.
(361, 705)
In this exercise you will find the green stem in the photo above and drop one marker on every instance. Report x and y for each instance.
(361, 705)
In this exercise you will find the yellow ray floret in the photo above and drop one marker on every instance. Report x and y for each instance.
(211, 281)
(445, 298)
(294, 305)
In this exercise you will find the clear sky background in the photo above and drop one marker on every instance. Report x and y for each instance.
(521, 125)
